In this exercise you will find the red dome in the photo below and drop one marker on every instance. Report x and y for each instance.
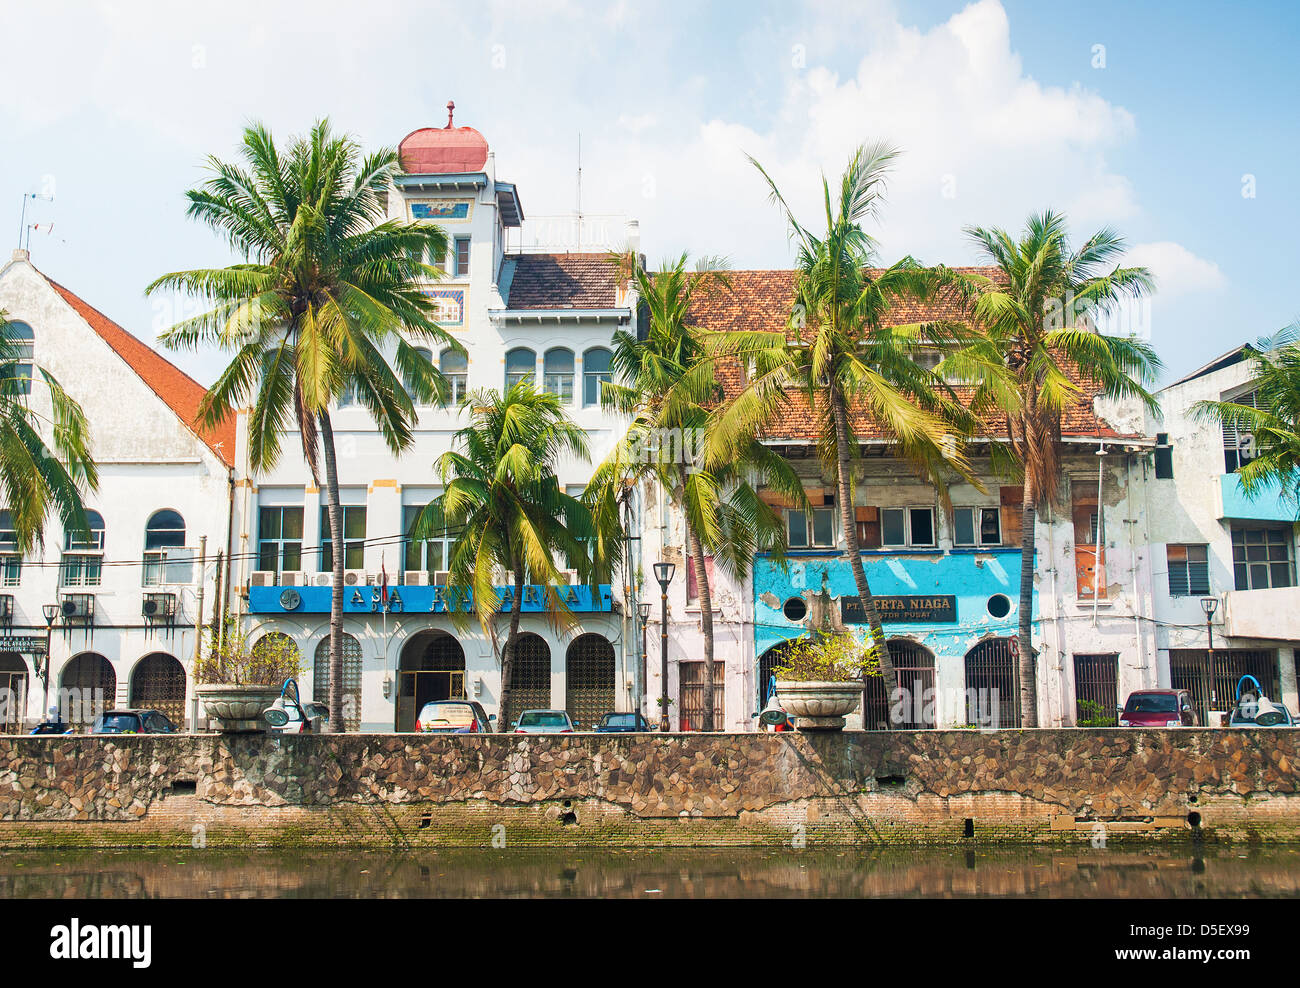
(438, 151)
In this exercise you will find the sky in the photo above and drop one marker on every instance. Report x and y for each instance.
(1174, 122)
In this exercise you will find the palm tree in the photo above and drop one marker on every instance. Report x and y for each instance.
(327, 287)
(1272, 422)
(852, 369)
(502, 499)
(667, 385)
(1037, 328)
(35, 479)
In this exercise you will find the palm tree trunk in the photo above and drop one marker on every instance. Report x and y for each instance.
(696, 550)
(1024, 641)
(508, 652)
(336, 718)
(852, 552)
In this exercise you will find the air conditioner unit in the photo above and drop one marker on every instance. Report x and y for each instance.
(322, 579)
(292, 578)
(78, 608)
(441, 578)
(354, 577)
(159, 606)
(262, 578)
(569, 576)
(415, 578)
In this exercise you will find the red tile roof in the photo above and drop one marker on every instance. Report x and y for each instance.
(563, 281)
(760, 301)
(180, 392)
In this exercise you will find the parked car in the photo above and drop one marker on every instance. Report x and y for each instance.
(52, 727)
(132, 722)
(1238, 718)
(1158, 708)
(624, 723)
(454, 717)
(545, 722)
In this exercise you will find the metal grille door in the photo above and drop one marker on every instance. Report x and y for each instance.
(531, 675)
(158, 683)
(91, 688)
(993, 684)
(1096, 690)
(692, 689)
(13, 692)
(589, 679)
(914, 664)
(433, 668)
(320, 679)
(1217, 689)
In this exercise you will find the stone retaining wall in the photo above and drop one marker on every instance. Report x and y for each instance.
(683, 789)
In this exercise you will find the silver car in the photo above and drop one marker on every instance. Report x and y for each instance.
(545, 722)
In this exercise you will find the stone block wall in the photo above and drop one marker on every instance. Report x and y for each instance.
(638, 790)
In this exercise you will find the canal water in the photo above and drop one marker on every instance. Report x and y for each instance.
(1152, 872)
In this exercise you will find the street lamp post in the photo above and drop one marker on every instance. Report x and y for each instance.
(1209, 605)
(644, 609)
(664, 574)
(51, 611)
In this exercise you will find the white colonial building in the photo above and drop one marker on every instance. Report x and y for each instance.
(520, 314)
(125, 598)
(1212, 544)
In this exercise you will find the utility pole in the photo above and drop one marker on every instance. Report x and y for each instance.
(198, 632)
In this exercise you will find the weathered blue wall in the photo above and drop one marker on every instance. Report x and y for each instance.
(971, 576)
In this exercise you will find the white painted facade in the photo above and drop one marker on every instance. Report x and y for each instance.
(478, 208)
(1191, 509)
(149, 460)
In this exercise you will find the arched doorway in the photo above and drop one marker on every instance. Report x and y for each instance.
(589, 679)
(914, 666)
(320, 679)
(88, 686)
(13, 692)
(531, 677)
(158, 683)
(993, 684)
(432, 668)
(767, 663)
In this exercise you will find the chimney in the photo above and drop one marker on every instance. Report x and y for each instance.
(634, 236)
(20, 255)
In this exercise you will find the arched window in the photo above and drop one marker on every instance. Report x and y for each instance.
(320, 680)
(164, 530)
(595, 371)
(521, 365)
(83, 554)
(11, 560)
(408, 382)
(18, 366)
(455, 368)
(557, 366)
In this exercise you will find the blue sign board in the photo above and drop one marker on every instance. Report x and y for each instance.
(420, 600)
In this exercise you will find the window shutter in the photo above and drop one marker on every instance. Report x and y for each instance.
(868, 522)
(1010, 501)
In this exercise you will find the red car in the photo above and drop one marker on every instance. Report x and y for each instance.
(1158, 708)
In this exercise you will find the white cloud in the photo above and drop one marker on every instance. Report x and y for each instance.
(1177, 270)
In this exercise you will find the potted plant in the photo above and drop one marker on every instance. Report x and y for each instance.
(821, 680)
(236, 680)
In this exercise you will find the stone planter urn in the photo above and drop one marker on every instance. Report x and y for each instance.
(819, 706)
(236, 708)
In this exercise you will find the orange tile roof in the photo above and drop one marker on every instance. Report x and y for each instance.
(563, 281)
(760, 301)
(180, 392)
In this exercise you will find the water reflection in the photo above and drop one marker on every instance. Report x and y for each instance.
(576, 873)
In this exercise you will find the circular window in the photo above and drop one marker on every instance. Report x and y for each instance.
(999, 605)
(795, 609)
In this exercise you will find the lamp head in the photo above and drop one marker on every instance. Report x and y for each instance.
(664, 573)
(51, 611)
(1209, 605)
(644, 609)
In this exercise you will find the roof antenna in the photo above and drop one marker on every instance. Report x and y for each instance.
(451, 108)
(579, 190)
(23, 226)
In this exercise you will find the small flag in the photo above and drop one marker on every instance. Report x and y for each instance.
(383, 583)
